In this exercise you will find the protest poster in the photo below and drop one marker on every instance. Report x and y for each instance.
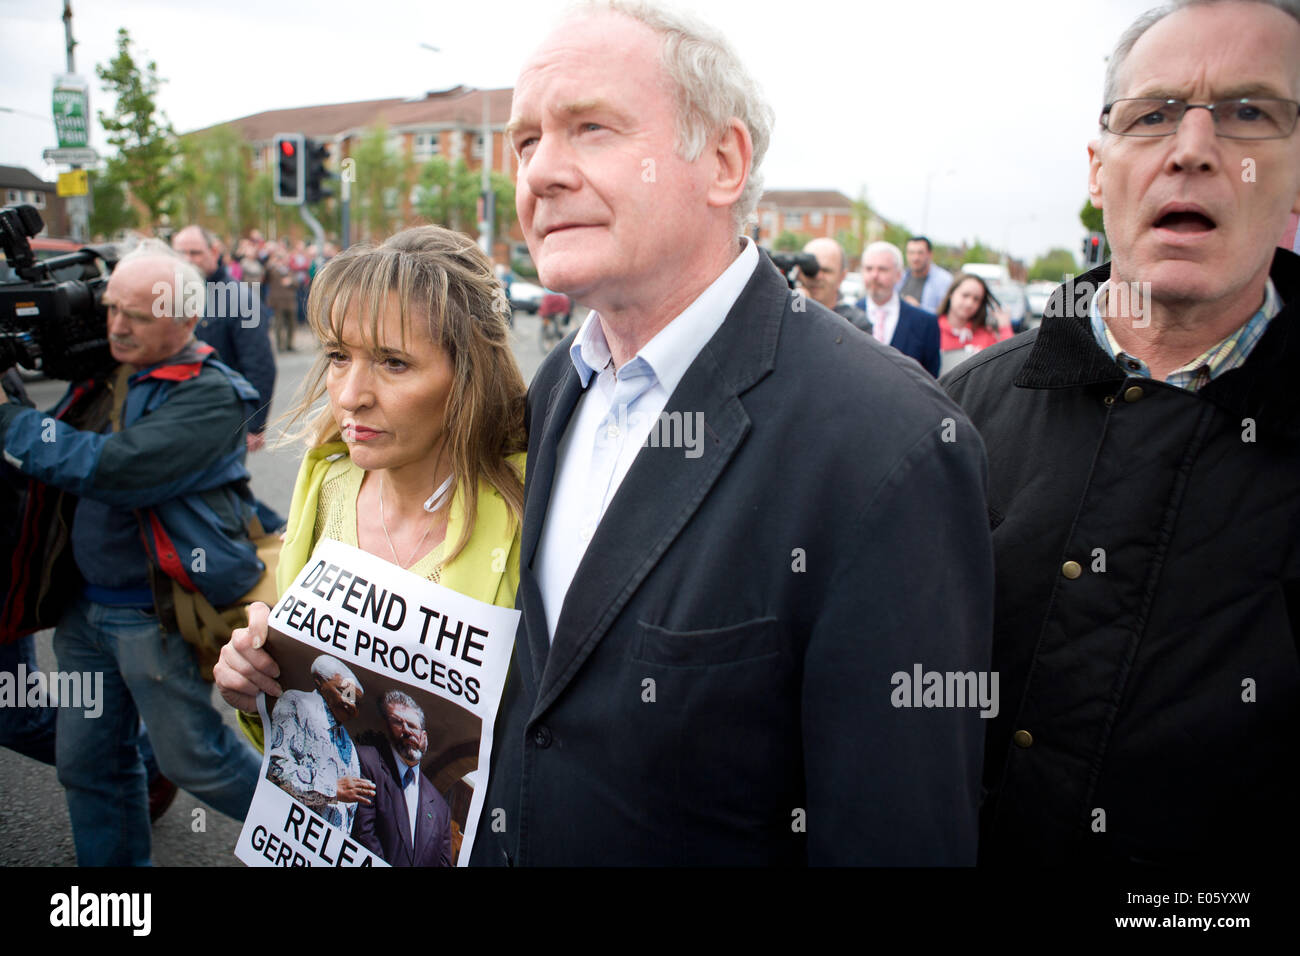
(377, 752)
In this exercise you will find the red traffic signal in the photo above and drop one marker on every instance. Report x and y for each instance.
(289, 169)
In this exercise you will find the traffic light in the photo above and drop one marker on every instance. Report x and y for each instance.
(290, 154)
(1093, 248)
(316, 175)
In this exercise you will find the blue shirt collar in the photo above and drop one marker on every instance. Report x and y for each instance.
(670, 353)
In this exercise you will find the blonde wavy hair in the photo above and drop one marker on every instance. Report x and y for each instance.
(446, 289)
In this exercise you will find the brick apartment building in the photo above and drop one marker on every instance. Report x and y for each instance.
(813, 212)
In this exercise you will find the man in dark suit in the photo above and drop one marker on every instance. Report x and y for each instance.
(232, 324)
(731, 502)
(405, 799)
(912, 331)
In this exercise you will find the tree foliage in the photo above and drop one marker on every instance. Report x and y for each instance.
(789, 241)
(215, 184)
(447, 194)
(112, 212)
(381, 173)
(1090, 216)
(979, 253)
(1053, 266)
(143, 136)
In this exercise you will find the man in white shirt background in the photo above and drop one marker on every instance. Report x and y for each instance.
(912, 331)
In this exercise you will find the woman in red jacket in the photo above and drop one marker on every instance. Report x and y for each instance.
(964, 327)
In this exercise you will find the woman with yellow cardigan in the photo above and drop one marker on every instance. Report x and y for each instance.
(418, 456)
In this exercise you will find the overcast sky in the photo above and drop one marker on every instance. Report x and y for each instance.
(992, 103)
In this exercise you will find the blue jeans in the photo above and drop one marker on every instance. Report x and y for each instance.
(98, 759)
(28, 730)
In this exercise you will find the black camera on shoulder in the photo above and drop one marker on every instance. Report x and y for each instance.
(57, 326)
(788, 262)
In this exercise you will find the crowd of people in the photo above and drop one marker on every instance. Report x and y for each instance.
(1098, 518)
(922, 311)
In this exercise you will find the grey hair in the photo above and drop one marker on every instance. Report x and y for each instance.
(1149, 19)
(883, 246)
(395, 698)
(326, 668)
(193, 294)
(713, 87)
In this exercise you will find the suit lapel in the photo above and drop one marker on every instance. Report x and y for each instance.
(663, 488)
(424, 816)
(539, 478)
(403, 818)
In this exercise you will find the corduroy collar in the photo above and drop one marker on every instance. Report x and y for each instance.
(1066, 354)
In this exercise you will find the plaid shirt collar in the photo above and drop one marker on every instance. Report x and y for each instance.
(1213, 362)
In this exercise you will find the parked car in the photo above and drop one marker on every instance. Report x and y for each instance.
(852, 288)
(1012, 297)
(1037, 293)
(45, 248)
(525, 297)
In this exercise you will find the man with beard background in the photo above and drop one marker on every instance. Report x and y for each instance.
(409, 823)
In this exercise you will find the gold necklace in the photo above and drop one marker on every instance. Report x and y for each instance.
(384, 524)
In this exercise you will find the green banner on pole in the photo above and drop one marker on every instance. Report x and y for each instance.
(71, 110)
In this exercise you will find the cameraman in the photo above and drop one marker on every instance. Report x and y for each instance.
(825, 286)
(161, 489)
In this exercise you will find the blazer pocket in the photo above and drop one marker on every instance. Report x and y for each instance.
(747, 641)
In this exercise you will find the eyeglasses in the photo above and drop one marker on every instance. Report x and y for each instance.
(1246, 117)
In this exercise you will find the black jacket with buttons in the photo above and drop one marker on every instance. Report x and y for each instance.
(1147, 544)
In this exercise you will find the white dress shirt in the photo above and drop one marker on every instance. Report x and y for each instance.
(410, 791)
(613, 419)
(884, 318)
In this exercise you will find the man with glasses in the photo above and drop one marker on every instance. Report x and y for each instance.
(1144, 475)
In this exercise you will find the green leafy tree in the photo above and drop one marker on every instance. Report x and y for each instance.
(504, 189)
(382, 174)
(1053, 266)
(897, 235)
(271, 218)
(448, 194)
(143, 136)
(979, 253)
(112, 212)
(861, 218)
(789, 241)
(852, 246)
(1090, 216)
(216, 181)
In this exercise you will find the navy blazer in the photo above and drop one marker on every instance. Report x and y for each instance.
(719, 686)
(916, 335)
(383, 827)
(241, 341)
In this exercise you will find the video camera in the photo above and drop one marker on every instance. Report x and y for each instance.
(787, 262)
(58, 327)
